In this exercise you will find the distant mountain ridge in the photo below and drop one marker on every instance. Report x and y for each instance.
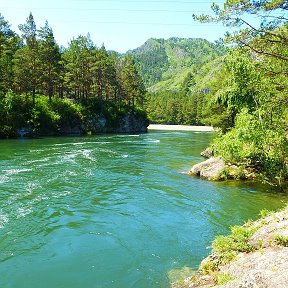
(170, 60)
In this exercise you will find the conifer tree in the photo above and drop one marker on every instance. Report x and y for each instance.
(49, 56)
(27, 59)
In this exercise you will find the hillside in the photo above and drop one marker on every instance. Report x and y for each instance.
(166, 63)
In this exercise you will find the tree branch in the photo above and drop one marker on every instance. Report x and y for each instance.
(266, 32)
(263, 52)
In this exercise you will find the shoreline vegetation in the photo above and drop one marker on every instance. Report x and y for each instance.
(253, 255)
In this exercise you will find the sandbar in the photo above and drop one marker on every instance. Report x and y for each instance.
(180, 128)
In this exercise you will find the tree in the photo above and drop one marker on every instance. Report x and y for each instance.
(28, 54)
(188, 82)
(272, 16)
(131, 82)
(104, 75)
(239, 88)
(255, 88)
(9, 43)
(49, 58)
(78, 59)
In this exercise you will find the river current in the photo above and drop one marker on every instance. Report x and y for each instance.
(113, 210)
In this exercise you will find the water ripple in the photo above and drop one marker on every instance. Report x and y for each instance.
(112, 210)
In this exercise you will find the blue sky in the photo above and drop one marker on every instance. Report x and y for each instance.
(120, 25)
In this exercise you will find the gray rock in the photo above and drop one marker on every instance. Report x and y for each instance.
(210, 169)
(266, 268)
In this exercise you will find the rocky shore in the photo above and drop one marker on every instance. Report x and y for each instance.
(131, 122)
(254, 255)
(214, 168)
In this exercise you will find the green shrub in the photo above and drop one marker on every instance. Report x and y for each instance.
(14, 113)
(227, 247)
(70, 113)
(43, 119)
(252, 142)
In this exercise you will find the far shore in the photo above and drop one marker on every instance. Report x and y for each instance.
(180, 128)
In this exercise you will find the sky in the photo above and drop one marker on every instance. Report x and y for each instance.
(118, 24)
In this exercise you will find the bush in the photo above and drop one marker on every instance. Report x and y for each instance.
(70, 113)
(253, 143)
(14, 113)
(43, 119)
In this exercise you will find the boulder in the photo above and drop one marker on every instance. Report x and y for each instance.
(210, 169)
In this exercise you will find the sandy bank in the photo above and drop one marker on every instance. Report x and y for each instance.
(180, 128)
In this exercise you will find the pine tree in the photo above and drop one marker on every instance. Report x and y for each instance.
(28, 70)
(49, 56)
(9, 43)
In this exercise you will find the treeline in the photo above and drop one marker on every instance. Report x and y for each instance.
(33, 64)
(176, 107)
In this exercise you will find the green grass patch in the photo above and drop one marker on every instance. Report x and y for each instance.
(281, 240)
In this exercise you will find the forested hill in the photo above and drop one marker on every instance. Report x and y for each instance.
(169, 61)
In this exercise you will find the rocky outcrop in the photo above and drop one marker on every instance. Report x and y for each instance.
(266, 268)
(132, 123)
(210, 169)
(216, 169)
(265, 265)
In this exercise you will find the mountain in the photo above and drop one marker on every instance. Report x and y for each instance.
(166, 63)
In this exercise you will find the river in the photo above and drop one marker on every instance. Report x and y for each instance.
(112, 210)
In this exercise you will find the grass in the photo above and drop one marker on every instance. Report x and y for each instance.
(222, 278)
(281, 240)
(226, 248)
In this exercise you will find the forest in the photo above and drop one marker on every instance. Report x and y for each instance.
(50, 90)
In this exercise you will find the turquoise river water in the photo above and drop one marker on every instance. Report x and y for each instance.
(113, 210)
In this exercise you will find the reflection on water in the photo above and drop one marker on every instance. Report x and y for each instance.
(113, 211)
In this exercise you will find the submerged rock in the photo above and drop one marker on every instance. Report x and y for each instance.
(210, 169)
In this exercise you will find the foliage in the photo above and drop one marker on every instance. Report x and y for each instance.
(252, 143)
(271, 15)
(237, 241)
(174, 107)
(15, 110)
(43, 119)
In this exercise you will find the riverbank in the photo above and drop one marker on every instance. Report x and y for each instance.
(254, 255)
(180, 128)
